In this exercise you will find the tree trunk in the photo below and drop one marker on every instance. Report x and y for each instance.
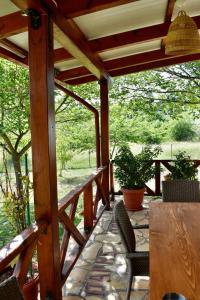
(18, 174)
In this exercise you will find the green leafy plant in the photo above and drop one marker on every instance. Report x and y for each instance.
(133, 171)
(183, 167)
(14, 201)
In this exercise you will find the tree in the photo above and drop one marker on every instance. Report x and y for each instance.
(14, 116)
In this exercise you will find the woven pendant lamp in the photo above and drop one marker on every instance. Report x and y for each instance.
(183, 36)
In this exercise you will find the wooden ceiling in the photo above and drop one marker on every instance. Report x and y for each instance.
(97, 39)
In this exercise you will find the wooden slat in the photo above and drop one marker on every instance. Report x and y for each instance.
(64, 218)
(65, 201)
(19, 243)
(78, 8)
(44, 154)
(12, 24)
(88, 208)
(67, 234)
(23, 263)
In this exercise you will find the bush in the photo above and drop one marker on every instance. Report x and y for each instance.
(183, 131)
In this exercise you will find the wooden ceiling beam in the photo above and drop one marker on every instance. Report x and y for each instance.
(139, 68)
(12, 24)
(169, 10)
(77, 8)
(68, 34)
(14, 48)
(4, 53)
(115, 64)
(61, 54)
(154, 32)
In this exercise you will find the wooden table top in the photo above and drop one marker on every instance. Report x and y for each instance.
(174, 249)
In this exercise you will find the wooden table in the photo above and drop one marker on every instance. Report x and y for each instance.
(174, 249)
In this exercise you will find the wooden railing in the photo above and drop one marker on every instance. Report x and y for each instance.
(159, 164)
(22, 246)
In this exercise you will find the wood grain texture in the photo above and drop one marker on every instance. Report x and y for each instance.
(174, 249)
(44, 154)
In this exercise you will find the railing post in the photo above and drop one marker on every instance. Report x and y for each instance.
(105, 135)
(157, 178)
(112, 190)
(88, 208)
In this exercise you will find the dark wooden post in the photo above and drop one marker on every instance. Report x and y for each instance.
(105, 134)
(44, 153)
(88, 208)
(157, 178)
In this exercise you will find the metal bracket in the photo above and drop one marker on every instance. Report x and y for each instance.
(35, 17)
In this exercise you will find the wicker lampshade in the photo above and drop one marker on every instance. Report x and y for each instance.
(183, 36)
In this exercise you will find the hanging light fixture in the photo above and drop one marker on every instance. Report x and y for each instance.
(183, 36)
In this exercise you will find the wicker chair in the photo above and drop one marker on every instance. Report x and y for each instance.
(10, 290)
(138, 262)
(181, 191)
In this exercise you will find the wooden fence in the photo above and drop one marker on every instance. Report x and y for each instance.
(21, 248)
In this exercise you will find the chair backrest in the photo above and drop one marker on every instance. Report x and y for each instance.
(125, 227)
(181, 191)
(10, 290)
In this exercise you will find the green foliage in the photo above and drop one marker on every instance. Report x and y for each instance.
(182, 130)
(14, 207)
(182, 167)
(133, 171)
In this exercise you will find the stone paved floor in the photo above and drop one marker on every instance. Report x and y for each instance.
(101, 271)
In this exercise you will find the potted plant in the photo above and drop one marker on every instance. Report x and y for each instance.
(133, 171)
(183, 184)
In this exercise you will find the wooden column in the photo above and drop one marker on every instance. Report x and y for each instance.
(44, 154)
(105, 134)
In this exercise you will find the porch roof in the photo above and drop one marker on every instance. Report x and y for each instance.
(97, 39)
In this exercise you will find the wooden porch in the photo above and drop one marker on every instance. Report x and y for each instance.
(69, 43)
(101, 270)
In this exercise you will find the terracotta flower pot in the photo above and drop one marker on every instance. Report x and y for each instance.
(30, 289)
(133, 198)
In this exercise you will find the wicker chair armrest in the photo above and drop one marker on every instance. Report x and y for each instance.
(144, 226)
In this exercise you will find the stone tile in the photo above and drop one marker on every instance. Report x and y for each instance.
(101, 270)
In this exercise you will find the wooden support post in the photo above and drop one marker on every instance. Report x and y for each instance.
(157, 179)
(88, 208)
(44, 153)
(105, 134)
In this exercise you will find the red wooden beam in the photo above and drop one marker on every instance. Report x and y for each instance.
(4, 53)
(105, 135)
(61, 54)
(12, 24)
(155, 65)
(44, 154)
(114, 64)
(78, 8)
(154, 32)
(14, 48)
(169, 10)
(138, 68)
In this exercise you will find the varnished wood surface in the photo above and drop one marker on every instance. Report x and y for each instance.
(175, 249)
